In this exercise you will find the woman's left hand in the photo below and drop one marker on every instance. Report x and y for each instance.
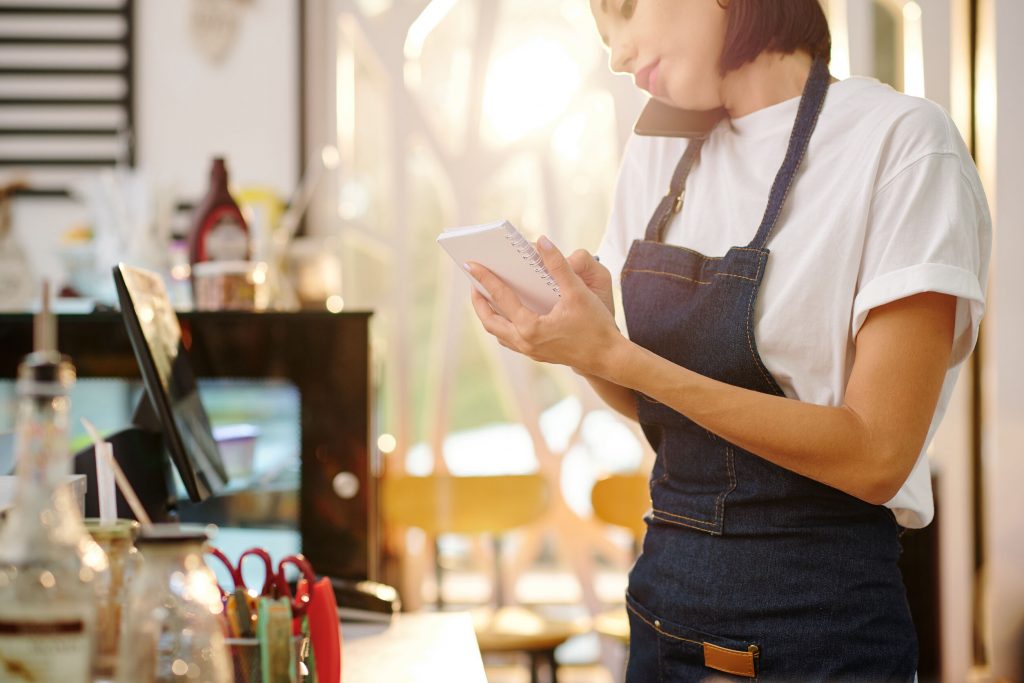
(578, 331)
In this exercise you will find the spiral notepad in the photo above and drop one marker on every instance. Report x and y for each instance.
(504, 251)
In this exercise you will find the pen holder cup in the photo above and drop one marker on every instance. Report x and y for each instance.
(247, 661)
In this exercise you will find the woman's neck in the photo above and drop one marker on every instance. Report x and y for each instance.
(771, 78)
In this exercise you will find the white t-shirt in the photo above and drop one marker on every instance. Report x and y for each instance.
(886, 204)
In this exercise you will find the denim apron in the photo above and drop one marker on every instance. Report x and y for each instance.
(748, 570)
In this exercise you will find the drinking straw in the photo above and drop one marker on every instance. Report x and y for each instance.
(122, 481)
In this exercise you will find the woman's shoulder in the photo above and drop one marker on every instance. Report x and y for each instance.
(905, 128)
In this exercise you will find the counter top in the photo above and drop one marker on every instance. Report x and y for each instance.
(423, 648)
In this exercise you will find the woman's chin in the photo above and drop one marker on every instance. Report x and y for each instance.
(687, 103)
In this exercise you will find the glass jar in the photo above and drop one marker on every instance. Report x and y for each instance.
(173, 630)
(118, 541)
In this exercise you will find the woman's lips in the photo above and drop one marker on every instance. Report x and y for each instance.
(655, 84)
(647, 77)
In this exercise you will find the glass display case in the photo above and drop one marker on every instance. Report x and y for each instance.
(288, 395)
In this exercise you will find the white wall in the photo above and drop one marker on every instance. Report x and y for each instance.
(1001, 156)
(188, 110)
(246, 108)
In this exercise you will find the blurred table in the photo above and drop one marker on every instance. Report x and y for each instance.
(413, 647)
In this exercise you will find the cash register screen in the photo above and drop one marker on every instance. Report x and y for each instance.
(170, 385)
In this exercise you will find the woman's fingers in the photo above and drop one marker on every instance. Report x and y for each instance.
(492, 322)
(505, 299)
(557, 265)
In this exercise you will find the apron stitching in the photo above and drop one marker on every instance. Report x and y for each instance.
(668, 275)
(750, 331)
(692, 251)
(720, 501)
(796, 169)
(648, 271)
(741, 277)
(658, 630)
(694, 526)
(769, 228)
(692, 519)
(689, 251)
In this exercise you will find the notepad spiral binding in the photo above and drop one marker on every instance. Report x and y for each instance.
(530, 255)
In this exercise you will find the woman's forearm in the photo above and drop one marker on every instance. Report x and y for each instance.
(620, 399)
(828, 444)
(865, 447)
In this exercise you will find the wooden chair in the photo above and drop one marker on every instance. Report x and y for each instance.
(483, 505)
(622, 500)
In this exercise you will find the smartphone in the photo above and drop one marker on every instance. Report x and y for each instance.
(661, 120)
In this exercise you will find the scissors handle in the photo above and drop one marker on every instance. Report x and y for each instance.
(300, 601)
(269, 580)
(236, 575)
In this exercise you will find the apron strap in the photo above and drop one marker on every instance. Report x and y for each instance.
(672, 203)
(811, 102)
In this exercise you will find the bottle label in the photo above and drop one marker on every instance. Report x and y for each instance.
(226, 240)
(45, 651)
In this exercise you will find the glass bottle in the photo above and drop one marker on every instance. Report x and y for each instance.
(219, 231)
(118, 541)
(49, 565)
(172, 630)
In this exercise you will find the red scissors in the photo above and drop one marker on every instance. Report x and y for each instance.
(300, 600)
(240, 603)
(235, 571)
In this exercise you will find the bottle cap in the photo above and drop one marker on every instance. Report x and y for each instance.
(172, 533)
(45, 373)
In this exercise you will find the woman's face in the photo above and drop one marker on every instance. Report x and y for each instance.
(672, 47)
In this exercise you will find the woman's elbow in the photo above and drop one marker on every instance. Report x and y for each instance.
(887, 475)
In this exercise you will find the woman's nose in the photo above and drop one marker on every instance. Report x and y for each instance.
(622, 56)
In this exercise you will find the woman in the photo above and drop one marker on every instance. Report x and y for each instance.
(789, 397)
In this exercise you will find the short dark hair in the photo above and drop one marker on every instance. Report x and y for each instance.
(756, 26)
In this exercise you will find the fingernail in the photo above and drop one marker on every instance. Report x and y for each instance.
(545, 243)
(469, 268)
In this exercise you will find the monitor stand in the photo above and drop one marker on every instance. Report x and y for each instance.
(139, 451)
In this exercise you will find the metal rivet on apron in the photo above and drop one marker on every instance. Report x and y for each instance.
(657, 624)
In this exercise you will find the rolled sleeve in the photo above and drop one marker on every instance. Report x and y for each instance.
(929, 231)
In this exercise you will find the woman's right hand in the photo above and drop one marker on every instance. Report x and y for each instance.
(595, 276)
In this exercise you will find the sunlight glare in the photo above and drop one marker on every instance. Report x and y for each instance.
(913, 50)
(529, 87)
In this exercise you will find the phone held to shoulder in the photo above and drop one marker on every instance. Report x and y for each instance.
(661, 120)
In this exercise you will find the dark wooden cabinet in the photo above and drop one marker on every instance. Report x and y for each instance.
(325, 356)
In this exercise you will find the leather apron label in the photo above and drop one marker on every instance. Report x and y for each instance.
(729, 661)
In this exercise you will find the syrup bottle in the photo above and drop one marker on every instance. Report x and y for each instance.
(219, 232)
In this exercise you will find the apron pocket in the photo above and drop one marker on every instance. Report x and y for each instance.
(695, 484)
(685, 653)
